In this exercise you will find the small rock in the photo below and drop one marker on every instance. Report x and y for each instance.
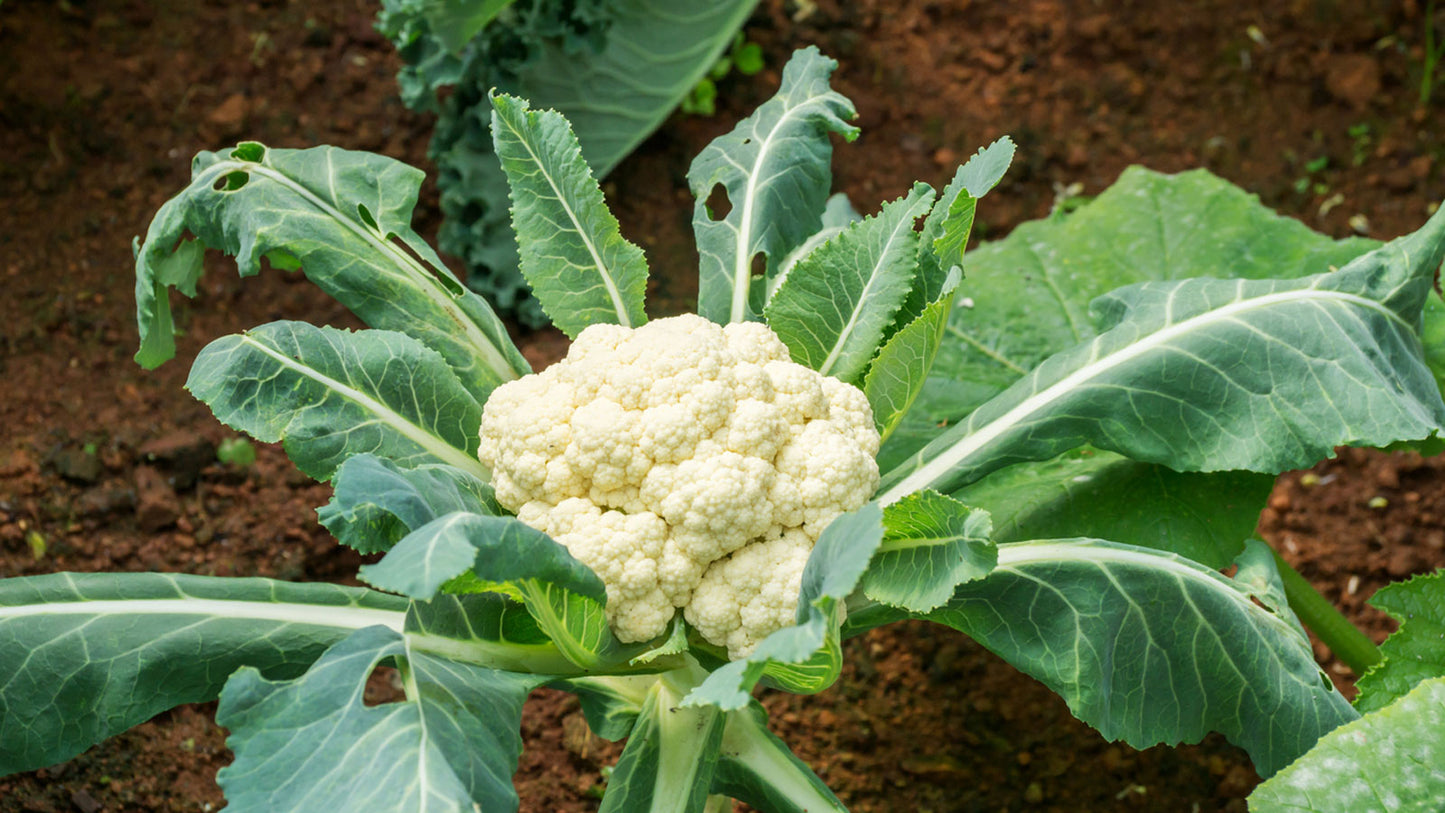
(76, 463)
(182, 454)
(84, 802)
(101, 501)
(157, 506)
(230, 115)
(1353, 79)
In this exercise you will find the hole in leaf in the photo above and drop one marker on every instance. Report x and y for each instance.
(365, 215)
(717, 204)
(231, 181)
(251, 151)
(759, 265)
(444, 276)
(383, 686)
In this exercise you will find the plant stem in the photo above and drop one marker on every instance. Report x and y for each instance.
(1316, 612)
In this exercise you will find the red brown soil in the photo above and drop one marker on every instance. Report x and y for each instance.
(111, 468)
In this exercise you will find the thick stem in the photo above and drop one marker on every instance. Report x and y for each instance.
(1316, 612)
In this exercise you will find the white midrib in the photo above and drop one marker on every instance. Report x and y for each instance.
(873, 276)
(743, 262)
(309, 614)
(491, 355)
(406, 428)
(623, 318)
(939, 466)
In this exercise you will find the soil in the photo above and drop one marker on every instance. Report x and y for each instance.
(106, 467)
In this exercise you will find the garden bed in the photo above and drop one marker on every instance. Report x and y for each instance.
(106, 467)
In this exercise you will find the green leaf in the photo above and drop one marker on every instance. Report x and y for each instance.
(375, 502)
(581, 269)
(1416, 651)
(1209, 375)
(1433, 337)
(564, 596)
(931, 544)
(302, 744)
(897, 376)
(1392, 760)
(1152, 648)
(835, 304)
(328, 394)
(774, 168)
(807, 657)
(760, 770)
(1030, 292)
(86, 656)
(1089, 493)
(344, 216)
(668, 763)
(457, 21)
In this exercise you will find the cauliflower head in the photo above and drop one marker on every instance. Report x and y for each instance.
(691, 465)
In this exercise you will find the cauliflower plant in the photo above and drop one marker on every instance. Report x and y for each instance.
(690, 465)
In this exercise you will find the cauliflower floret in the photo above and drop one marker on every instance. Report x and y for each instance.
(676, 459)
(751, 593)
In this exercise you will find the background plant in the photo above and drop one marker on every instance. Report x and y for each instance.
(385, 415)
(615, 68)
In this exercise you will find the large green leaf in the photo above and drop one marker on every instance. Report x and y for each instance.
(774, 168)
(1416, 651)
(671, 752)
(805, 658)
(85, 656)
(302, 744)
(328, 394)
(580, 267)
(1029, 294)
(1086, 492)
(835, 304)
(1152, 648)
(338, 214)
(375, 502)
(1392, 760)
(1209, 375)
(931, 544)
(457, 21)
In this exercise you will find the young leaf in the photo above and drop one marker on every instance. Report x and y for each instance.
(336, 213)
(805, 658)
(774, 168)
(1151, 648)
(759, 769)
(1176, 378)
(931, 544)
(1088, 493)
(564, 596)
(74, 648)
(668, 764)
(1388, 761)
(580, 267)
(452, 745)
(897, 376)
(1416, 650)
(948, 226)
(837, 301)
(328, 394)
(376, 502)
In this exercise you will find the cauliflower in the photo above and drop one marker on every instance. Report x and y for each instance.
(691, 466)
